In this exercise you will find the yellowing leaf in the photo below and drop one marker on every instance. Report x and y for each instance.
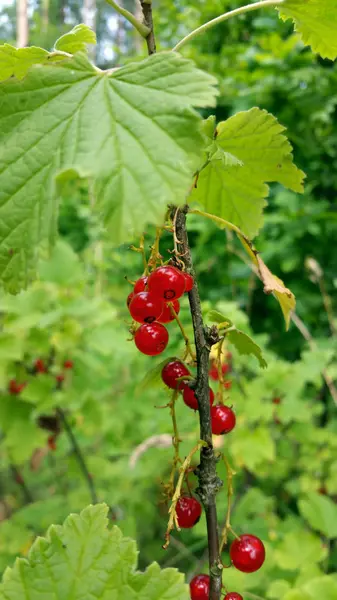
(316, 22)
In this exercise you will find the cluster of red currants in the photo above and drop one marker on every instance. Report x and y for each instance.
(150, 304)
(247, 554)
(222, 417)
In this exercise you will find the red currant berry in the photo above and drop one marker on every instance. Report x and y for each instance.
(140, 285)
(39, 366)
(199, 587)
(68, 364)
(214, 373)
(171, 372)
(129, 298)
(227, 384)
(188, 511)
(247, 553)
(14, 387)
(151, 338)
(190, 398)
(189, 281)
(145, 307)
(233, 596)
(60, 378)
(167, 282)
(223, 419)
(166, 316)
(276, 400)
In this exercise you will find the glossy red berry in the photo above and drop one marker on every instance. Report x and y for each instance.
(227, 384)
(233, 596)
(166, 316)
(223, 419)
(171, 372)
(14, 387)
(60, 378)
(68, 364)
(188, 511)
(140, 285)
(167, 282)
(40, 366)
(151, 338)
(199, 587)
(247, 553)
(145, 307)
(189, 281)
(190, 398)
(129, 298)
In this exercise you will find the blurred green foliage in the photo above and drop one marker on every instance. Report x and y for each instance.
(284, 452)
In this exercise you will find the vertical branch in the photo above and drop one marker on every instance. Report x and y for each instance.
(79, 455)
(21, 482)
(209, 483)
(148, 20)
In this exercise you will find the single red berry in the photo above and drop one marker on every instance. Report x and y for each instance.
(227, 384)
(189, 281)
(276, 400)
(129, 298)
(52, 443)
(190, 398)
(233, 596)
(60, 378)
(247, 553)
(140, 285)
(199, 587)
(188, 511)
(166, 316)
(151, 338)
(40, 366)
(223, 419)
(167, 282)
(145, 307)
(171, 372)
(14, 387)
(68, 364)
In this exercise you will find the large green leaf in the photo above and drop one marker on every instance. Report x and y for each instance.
(321, 513)
(83, 559)
(125, 128)
(316, 21)
(236, 191)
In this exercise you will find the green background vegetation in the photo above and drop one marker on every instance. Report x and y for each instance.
(285, 454)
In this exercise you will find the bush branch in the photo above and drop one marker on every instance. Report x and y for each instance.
(209, 483)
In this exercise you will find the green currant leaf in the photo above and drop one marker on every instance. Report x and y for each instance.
(133, 130)
(316, 22)
(321, 513)
(245, 345)
(76, 40)
(82, 559)
(217, 317)
(252, 151)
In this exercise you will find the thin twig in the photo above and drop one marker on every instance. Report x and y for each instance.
(21, 482)
(209, 483)
(148, 21)
(79, 456)
(233, 13)
(141, 27)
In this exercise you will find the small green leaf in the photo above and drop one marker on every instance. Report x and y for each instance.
(76, 40)
(316, 22)
(254, 140)
(217, 317)
(83, 559)
(208, 126)
(17, 61)
(321, 513)
(245, 345)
